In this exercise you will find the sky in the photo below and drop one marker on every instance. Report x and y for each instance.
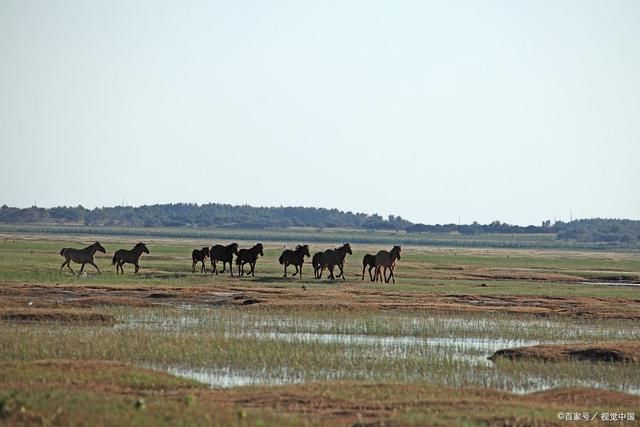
(437, 111)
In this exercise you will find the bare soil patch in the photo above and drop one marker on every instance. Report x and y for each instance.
(54, 315)
(344, 297)
(621, 352)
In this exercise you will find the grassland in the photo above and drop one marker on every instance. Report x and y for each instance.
(343, 352)
(329, 235)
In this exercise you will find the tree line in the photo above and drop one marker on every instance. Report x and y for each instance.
(215, 215)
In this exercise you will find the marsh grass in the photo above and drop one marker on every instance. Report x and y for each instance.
(277, 346)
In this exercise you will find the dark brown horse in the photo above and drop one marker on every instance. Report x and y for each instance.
(249, 256)
(81, 256)
(318, 262)
(124, 256)
(386, 260)
(224, 254)
(335, 258)
(199, 255)
(295, 257)
(368, 261)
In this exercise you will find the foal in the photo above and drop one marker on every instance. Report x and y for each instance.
(199, 255)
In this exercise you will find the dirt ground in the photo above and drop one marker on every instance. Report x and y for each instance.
(628, 352)
(15, 299)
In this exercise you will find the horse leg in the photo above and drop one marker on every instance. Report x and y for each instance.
(231, 268)
(193, 266)
(341, 271)
(296, 266)
(253, 269)
(387, 278)
(285, 269)
(99, 272)
(137, 267)
(68, 263)
(364, 267)
(63, 264)
(301, 270)
(81, 268)
(370, 275)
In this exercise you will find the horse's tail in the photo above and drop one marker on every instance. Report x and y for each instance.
(113, 260)
(281, 259)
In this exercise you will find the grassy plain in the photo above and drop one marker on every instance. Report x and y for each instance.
(310, 352)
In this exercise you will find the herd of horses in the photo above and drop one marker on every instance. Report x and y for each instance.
(383, 263)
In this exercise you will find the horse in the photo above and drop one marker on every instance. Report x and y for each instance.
(81, 256)
(368, 261)
(295, 257)
(224, 254)
(387, 260)
(335, 257)
(318, 262)
(249, 256)
(199, 255)
(123, 256)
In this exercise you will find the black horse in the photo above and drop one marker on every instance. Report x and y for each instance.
(318, 262)
(124, 256)
(224, 254)
(295, 258)
(81, 256)
(368, 261)
(249, 256)
(335, 258)
(199, 255)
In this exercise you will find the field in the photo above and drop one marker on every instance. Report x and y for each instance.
(169, 347)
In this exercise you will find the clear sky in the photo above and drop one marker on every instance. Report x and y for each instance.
(432, 110)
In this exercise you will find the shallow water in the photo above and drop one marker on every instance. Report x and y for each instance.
(456, 358)
(621, 283)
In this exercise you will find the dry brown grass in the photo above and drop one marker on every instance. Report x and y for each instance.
(346, 297)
